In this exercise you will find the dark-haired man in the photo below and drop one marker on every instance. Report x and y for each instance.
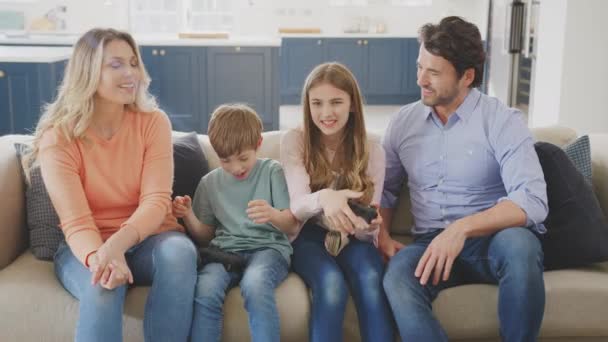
(477, 190)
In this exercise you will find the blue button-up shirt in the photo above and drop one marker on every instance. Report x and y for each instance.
(484, 154)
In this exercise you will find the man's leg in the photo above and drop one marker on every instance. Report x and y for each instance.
(516, 259)
(410, 301)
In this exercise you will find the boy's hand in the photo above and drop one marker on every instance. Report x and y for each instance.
(182, 205)
(259, 211)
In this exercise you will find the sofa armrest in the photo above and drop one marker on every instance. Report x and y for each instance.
(13, 232)
(599, 160)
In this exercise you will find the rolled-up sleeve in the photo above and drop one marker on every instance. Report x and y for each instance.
(521, 171)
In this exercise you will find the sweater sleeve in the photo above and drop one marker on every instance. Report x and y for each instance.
(156, 180)
(303, 203)
(60, 165)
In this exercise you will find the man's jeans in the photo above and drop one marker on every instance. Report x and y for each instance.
(511, 258)
(266, 269)
(357, 270)
(166, 261)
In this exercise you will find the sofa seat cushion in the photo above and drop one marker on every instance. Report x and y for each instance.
(35, 304)
(576, 301)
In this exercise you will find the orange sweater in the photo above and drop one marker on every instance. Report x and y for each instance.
(99, 186)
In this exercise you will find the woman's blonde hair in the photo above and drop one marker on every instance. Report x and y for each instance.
(352, 156)
(72, 111)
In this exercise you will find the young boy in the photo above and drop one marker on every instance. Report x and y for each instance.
(242, 207)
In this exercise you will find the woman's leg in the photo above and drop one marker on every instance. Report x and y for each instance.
(266, 269)
(323, 276)
(167, 262)
(364, 269)
(100, 316)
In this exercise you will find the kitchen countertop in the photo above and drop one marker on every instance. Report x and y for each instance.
(33, 54)
(145, 40)
(344, 35)
(173, 40)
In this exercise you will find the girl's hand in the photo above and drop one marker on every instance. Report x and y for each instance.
(338, 214)
(182, 205)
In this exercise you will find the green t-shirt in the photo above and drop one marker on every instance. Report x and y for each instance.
(221, 201)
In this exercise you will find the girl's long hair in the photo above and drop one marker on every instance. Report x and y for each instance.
(351, 158)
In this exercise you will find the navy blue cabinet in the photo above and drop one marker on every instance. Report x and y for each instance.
(246, 75)
(352, 53)
(190, 82)
(176, 74)
(24, 90)
(382, 66)
(385, 67)
(298, 58)
(409, 86)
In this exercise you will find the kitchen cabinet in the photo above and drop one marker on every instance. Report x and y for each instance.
(246, 75)
(382, 66)
(176, 73)
(191, 81)
(24, 90)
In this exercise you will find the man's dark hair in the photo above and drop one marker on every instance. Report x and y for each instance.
(459, 42)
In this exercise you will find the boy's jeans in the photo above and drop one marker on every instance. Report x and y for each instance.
(511, 258)
(266, 269)
(167, 261)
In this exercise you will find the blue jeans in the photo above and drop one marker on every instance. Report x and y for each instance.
(166, 261)
(358, 267)
(266, 269)
(511, 258)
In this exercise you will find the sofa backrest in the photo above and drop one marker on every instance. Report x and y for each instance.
(403, 220)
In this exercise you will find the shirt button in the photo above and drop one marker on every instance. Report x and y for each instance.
(440, 181)
(446, 221)
(441, 157)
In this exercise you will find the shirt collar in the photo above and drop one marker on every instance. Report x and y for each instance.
(465, 109)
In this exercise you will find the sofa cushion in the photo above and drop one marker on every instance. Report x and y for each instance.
(579, 152)
(190, 164)
(577, 230)
(42, 220)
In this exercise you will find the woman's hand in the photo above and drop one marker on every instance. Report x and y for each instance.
(337, 213)
(182, 206)
(109, 267)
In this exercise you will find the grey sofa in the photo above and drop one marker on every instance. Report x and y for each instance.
(35, 307)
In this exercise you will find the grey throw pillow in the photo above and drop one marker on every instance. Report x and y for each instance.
(580, 153)
(42, 220)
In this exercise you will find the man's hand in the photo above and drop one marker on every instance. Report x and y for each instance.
(259, 211)
(440, 254)
(388, 247)
(182, 205)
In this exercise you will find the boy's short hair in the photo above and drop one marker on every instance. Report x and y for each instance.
(234, 128)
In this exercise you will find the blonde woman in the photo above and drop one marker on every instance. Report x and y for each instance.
(105, 154)
(328, 162)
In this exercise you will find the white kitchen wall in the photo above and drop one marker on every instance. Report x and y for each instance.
(81, 14)
(264, 17)
(570, 85)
